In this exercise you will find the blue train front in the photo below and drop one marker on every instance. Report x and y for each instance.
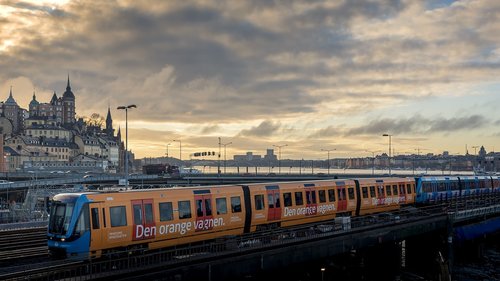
(69, 226)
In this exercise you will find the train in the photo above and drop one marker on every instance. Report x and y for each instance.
(91, 225)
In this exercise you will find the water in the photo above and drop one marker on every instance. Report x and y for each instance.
(333, 171)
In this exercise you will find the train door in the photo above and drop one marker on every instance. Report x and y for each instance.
(97, 227)
(204, 214)
(143, 219)
(273, 203)
(311, 203)
(380, 193)
(342, 203)
(402, 193)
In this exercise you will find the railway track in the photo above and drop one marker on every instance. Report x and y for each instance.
(21, 244)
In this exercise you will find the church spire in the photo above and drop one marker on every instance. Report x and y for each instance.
(109, 123)
(68, 87)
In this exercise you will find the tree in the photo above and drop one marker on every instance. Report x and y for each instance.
(95, 120)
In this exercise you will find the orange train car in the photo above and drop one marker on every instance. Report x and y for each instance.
(92, 224)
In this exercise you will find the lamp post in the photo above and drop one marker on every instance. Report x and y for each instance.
(168, 144)
(180, 150)
(279, 155)
(328, 150)
(390, 136)
(126, 108)
(225, 144)
(373, 160)
(322, 273)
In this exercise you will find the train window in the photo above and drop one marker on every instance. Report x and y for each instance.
(350, 192)
(221, 205)
(199, 208)
(402, 189)
(341, 193)
(287, 198)
(395, 189)
(270, 200)
(208, 207)
(166, 211)
(137, 214)
(381, 192)
(259, 202)
(148, 210)
(95, 218)
(365, 192)
(372, 191)
(184, 209)
(331, 195)
(322, 196)
(83, 223)
(408, 189)
(298, 198)
(311, 197)
(388, 190)
(118, 216)
(236, 204)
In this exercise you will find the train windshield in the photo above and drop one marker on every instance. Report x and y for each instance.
(60, 216)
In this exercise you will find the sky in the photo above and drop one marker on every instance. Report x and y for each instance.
(308, 76)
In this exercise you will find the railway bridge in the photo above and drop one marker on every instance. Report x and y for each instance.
(257, 253)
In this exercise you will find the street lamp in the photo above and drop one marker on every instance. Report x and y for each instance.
(328, 150)
(279, 154)
(373, 160)
(126, 108)
(168, 144)
(180, 150)
(225, 144)
(390, 136)
(322, 273)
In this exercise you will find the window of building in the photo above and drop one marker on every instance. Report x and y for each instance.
(184, 209)
(118, 216)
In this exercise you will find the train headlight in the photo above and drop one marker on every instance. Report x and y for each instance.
(63, 239)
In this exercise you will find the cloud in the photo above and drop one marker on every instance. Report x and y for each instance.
(327, 132)
(210, 129)
(419, 125)
(264, 129)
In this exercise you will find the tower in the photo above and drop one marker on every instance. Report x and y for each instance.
(68, 100)
(12, 112)
(109, 124)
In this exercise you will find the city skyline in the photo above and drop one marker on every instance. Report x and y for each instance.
(308, 75)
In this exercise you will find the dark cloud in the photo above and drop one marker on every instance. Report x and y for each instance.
(418, 124)
(264, 129)
(210, 129)
(327, 132)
